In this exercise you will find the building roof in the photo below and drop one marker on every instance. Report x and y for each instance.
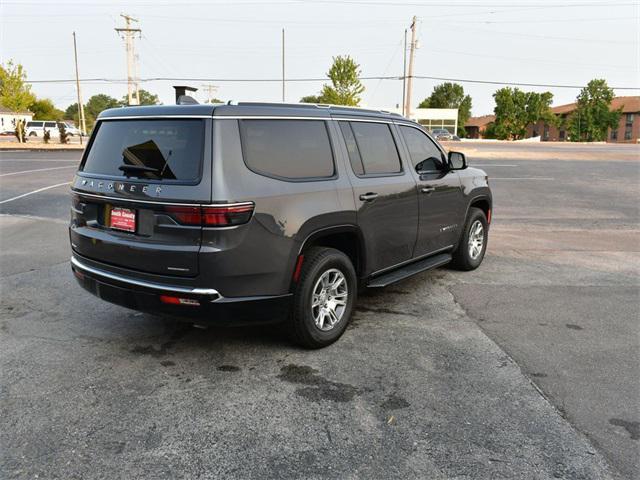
(480, 121)
(5, 110)
(630, 104)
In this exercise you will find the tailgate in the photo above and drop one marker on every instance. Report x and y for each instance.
(134, 190)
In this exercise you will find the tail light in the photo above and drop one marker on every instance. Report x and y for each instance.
(218, 216)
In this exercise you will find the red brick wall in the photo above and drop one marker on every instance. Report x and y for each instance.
(554, 132)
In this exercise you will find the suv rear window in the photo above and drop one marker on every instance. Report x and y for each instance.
(289, 149)
(168, 150)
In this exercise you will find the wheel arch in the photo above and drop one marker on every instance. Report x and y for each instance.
(346, 238)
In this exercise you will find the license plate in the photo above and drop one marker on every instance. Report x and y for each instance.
(123, 219)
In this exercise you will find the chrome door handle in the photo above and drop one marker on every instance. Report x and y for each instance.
(368, 197)
(428, 189)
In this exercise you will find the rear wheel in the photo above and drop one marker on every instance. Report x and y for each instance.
(473, 244)
(323, 299)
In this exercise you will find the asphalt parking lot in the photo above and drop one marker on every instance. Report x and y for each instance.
(525, 368)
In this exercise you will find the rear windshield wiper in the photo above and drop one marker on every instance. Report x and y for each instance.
(138, 168)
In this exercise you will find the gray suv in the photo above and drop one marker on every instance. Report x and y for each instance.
(258, 212)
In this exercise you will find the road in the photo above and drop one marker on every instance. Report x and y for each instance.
(524, 368)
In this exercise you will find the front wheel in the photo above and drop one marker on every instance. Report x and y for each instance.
(473, 244)
(323, 299)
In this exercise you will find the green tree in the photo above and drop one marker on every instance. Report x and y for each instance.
(593, 117)
(450, 95)
(515, 110)
(94, 106)
(146, 98)
(44, 109)
(345, 88)
(15, 94)
(71, 113)
(310, 99)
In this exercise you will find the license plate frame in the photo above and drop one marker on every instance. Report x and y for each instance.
(123, 219)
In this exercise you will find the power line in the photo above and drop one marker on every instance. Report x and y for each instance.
(315, 79)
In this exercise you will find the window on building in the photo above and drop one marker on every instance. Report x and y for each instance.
(425, 156)
(293, 149)
(377, 148)
(614, 134)
(629, 118)
(627, 132)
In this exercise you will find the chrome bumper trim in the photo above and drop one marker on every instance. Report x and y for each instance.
(141, 283)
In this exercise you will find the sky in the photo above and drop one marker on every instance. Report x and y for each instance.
(564, 42)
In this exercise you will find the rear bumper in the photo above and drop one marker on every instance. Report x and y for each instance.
(211, 307)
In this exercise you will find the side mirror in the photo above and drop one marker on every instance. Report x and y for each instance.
(431, 164)
(457, 161)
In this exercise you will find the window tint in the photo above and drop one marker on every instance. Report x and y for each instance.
(425, 155)
(292, 149)
(149, 149)
(50, 125)
(34, 124)
(377, 147)
(352, 148)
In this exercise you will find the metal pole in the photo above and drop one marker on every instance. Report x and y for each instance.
(283, 64)
(83, 126)
(410, 78)
(404, 72)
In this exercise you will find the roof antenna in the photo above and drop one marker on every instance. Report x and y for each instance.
(181, 95)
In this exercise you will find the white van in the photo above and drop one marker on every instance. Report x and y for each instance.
(36, 128)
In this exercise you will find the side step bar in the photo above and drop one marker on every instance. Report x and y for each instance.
(409, 270)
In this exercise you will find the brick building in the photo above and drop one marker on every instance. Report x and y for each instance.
(476, 126)
(628, 130)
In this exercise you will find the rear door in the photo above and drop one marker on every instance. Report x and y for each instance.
(439, 193)
(385, 193)
(137, 194)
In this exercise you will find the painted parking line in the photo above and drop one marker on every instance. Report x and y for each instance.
(36, 170)
(34, 192)
(490, 165)
(522, 178)
(38, 160)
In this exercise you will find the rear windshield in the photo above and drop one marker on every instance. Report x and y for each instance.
(166, 150)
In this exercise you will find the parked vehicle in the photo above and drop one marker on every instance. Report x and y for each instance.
(268, 212)
(36, 128)
(441, 134)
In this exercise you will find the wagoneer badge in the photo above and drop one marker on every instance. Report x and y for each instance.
(120, 186)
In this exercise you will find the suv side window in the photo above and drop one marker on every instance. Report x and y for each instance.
(425, 155)
(288, 149)
(377, 148)
(50, 125)
(352, 148)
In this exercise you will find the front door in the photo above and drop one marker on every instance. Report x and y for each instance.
(385, 194)
(439, 192)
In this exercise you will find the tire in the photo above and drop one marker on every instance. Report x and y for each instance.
(465, 256)
(33, 134)
(322, 265)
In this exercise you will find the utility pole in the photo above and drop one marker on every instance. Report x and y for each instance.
(210, 89)
(129, 34)
(407, 108)
(83, 125)
(283, 64)
(404, 72)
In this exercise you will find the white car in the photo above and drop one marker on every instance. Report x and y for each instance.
(36, 128)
